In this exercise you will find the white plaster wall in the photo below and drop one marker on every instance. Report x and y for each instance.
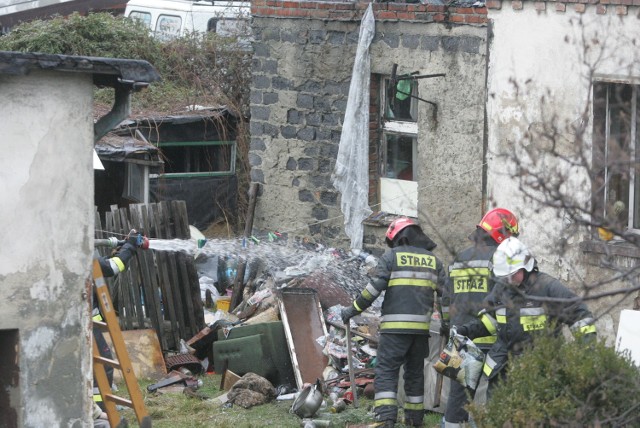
(551, 56)
(47, 226)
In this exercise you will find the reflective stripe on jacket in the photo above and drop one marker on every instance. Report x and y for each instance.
(470, 282)
(409, 276)
(518, 317)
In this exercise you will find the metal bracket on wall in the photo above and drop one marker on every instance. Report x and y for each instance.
(393, 83)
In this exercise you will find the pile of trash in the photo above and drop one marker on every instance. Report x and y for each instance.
(301, 286)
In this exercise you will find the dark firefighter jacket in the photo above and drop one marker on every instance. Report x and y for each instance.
(112, 266)
(470, 282)
(409, 276)
(517, 317)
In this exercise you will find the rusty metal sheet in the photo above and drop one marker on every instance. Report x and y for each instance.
(144, 352)
(303, 323)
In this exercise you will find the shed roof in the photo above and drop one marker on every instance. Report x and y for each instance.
(111, 72)
(120, 148)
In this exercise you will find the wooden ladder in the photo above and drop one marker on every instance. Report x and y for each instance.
(122, 362)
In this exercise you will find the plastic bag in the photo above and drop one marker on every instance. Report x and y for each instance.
(461, 360)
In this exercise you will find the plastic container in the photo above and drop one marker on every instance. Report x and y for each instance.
(223, 303)
(338, 406)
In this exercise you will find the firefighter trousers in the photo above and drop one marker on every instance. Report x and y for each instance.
(105, 352)
(394, 351)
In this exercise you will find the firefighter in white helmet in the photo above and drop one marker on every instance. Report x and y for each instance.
(524, 303)
(471, 281)
(411, 276)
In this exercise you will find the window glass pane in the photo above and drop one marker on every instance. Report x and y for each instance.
(134, 189)
(168, 26)
(635, 125)
(399, 156)
(618, 153)
(205, 158)
(145, 17)
(600, 91)
(400, 101)
(212, 25)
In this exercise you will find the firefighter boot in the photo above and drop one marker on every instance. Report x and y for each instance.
(414, 418)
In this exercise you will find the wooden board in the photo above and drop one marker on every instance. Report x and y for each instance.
(303, 323)
(144, 352)
(161, 289)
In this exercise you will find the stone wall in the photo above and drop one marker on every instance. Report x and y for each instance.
(304, 54)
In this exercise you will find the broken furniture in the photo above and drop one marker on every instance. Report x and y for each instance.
(257, 348)
(304, 323)
(186, 361)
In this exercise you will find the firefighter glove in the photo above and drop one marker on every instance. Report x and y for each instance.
(136, 239)
(347, 313)
(462, 330)
(444, 330)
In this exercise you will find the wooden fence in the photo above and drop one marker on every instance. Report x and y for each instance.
(160, 290)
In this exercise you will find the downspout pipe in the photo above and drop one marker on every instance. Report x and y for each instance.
(121, 108)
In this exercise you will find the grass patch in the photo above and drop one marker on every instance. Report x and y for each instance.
(176, 410)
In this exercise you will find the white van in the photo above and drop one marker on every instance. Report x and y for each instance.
(172, 18)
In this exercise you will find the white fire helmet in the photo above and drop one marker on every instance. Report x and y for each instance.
(511, 256)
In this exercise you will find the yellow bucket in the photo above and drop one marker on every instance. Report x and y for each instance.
(223, 303)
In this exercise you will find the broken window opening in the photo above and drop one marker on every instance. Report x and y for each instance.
(401, 100)
(198, 158)
(616, 158)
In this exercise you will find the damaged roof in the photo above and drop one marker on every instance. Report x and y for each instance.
(106, 71)
(119, 148)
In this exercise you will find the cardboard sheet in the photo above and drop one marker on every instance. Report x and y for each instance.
(628, 337)
(144, 352)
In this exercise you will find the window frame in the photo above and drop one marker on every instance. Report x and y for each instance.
(232, 161)
(406, 204)
(602, 147)
(167, 35)
(138, 192)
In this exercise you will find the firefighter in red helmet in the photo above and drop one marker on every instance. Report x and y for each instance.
(410, 275)
(470, 281)
(500, 224)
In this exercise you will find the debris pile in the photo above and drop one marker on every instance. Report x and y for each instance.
(286, 328)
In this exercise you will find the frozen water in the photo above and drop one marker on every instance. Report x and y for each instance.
(281, 259)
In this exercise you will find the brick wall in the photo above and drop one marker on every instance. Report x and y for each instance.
(616, 7)
(350, 11)
(400, 11)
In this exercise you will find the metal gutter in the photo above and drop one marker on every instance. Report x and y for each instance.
(124, 75)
